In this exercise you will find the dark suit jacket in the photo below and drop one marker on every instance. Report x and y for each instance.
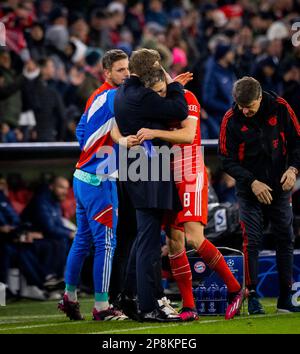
(138, 107)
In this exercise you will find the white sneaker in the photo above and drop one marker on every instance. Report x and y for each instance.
(54, 295)
(33, 292)
(164, 305)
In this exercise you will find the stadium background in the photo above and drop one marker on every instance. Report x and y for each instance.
(54, 48)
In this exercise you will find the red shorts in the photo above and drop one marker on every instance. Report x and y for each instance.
(194, 198)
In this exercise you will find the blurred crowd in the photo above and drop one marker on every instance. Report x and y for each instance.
(51, 62)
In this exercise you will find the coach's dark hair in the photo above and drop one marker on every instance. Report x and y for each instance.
(143, 60)
(110, 57)
(153, 76)
(246, 90)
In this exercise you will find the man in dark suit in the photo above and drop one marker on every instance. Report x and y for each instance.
(137, 107)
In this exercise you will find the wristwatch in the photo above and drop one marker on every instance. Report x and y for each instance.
(294, 169)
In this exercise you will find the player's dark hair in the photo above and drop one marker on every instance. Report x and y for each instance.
(110, 57)
(246, 90)
(152, 77)
(142, 61)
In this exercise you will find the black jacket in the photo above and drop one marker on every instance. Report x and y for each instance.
(138, 107)
(48, 109)
(260, 147)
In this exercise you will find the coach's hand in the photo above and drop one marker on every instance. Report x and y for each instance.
(288, 180)
(145, 134)
(129, 141)
(262, 192)
(184, 78)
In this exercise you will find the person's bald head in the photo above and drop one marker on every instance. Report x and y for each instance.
(60, 188)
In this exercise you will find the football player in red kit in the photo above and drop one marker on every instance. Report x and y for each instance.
(191, 182)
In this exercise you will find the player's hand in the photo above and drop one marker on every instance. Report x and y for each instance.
(6, 229)
(129, 141)
(145, 134)
(184, 78)
(35, 235)
(288, 180)
(262, 192)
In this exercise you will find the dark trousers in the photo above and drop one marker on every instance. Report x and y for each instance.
(280, 216)
(126, 234)
(144, 264)
(22, 256)
(52, 255)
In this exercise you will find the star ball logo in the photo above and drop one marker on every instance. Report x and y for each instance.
(230, 263)
(199, 267)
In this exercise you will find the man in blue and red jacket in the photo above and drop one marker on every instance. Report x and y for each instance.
(95, 191)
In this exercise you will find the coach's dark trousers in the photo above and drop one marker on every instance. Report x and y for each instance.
(126, 234)
(144, 265)
(280, 215)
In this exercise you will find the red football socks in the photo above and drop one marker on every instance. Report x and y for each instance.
(215, 260)
(181, 271)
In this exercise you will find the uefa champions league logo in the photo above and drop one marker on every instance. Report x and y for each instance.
(230, 263)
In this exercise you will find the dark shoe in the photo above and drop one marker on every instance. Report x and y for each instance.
(70, 308)
(130, 307)
(52, 283)
(235, 303)
(158, 315)
(254, 306)
(117, 302)
(286, 306)
(188, 314)
(111, 314)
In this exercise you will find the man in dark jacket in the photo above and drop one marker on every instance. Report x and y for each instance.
(10, 93)
(45, 214)
(45, 102)
(137, 107)
(218, 82)
(16, 245)
(259, 146)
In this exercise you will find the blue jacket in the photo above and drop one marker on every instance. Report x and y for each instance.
(217, 92)
(8, 216)
(45, 214)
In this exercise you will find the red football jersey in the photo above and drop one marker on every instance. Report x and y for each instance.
(188, 159)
